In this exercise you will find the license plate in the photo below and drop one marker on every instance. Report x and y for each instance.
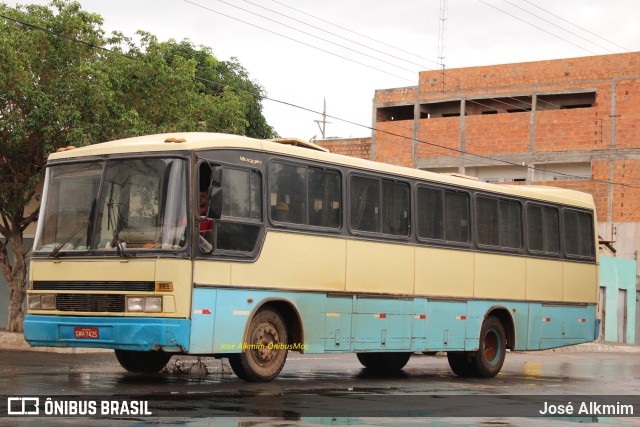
(86, 333)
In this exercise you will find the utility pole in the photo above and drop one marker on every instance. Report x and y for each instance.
(442, 39)
(324, 121)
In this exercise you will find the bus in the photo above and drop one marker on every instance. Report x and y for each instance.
(226, 246)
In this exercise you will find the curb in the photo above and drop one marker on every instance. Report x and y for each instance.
(601, 347)
(15, 341)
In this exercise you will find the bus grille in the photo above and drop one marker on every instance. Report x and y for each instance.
(46, 285)
(92, 303)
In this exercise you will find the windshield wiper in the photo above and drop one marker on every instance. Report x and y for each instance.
(76, 231)
(118, 245)
(116, 234)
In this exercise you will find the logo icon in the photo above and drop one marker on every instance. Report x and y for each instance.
(23, 405)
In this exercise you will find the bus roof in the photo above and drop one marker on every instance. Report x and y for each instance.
(197, 141)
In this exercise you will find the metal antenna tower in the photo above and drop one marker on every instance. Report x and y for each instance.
(442, 39)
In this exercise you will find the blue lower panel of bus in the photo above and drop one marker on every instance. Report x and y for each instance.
(329, 323)
(139, 333)
(355, 323)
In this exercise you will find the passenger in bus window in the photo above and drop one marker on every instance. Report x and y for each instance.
(206, 225)
(281, 211)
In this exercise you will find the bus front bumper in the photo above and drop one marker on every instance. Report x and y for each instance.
(124, 333)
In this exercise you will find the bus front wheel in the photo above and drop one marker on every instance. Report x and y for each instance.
(265, 351)
(145, 362)
(383, 362)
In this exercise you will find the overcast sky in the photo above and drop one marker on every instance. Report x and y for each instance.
(343, 50)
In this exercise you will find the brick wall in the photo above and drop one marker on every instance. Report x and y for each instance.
(560, 72)
(444, 132)
(605, 134)
(627, 113)
(354, 147)
(626, 201)
(497, 133)
(394, 143)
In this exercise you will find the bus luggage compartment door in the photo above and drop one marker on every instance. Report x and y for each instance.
(383, 324)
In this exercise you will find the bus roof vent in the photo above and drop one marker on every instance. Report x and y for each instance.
(459, 175)
(299, 143)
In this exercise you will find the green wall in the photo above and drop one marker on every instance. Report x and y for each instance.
(617, 274)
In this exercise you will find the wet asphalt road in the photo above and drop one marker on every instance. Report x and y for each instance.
(313, 389)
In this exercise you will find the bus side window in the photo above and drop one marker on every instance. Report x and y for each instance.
(241, 222)
(324, 198)
(288, 187)
(578, 234)
(239, 227)
(365, 204)
(305, 195)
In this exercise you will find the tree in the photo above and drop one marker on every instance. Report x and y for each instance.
(224, 80)
(62, 82)
(42, 78)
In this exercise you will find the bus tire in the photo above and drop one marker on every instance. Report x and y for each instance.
(384, 362)
(463, 364)
(144, 362)
(492, 348)
(262, 361)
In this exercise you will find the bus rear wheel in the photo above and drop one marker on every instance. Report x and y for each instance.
(266, 348)
(487, 361)
(384, 362)
(492, 348)
(145, 362)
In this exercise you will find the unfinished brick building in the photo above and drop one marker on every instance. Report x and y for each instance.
(572, 123)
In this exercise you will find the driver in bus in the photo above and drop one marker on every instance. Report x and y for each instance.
(206, 225)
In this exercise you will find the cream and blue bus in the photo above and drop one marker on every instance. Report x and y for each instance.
(231, 247)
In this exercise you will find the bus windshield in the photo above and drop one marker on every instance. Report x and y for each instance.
(117, 206)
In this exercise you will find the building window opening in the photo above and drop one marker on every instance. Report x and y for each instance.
(390, 114)
(566, 101)
(490, 106)
(440, 109)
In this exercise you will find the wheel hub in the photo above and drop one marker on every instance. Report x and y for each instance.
(491, 347)
(265, 334)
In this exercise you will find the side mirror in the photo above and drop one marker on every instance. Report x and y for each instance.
(216, 176)
(214, 205)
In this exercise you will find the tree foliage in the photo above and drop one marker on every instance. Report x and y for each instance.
(63, 82)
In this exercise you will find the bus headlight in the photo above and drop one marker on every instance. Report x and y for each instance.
(34, 302)
(153, 305)
(134, 303)
(42, 302)
(144, 304)
(48, 302)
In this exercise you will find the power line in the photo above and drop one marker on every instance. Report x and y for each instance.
(577, 26)
(453, 72)
(326, 51)
(294, 40)
(356, 33)
(558, 26)
(312, 35)
(535, 26)
(371, 128)
(334, 34)
(440, 64)
(53, 33)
